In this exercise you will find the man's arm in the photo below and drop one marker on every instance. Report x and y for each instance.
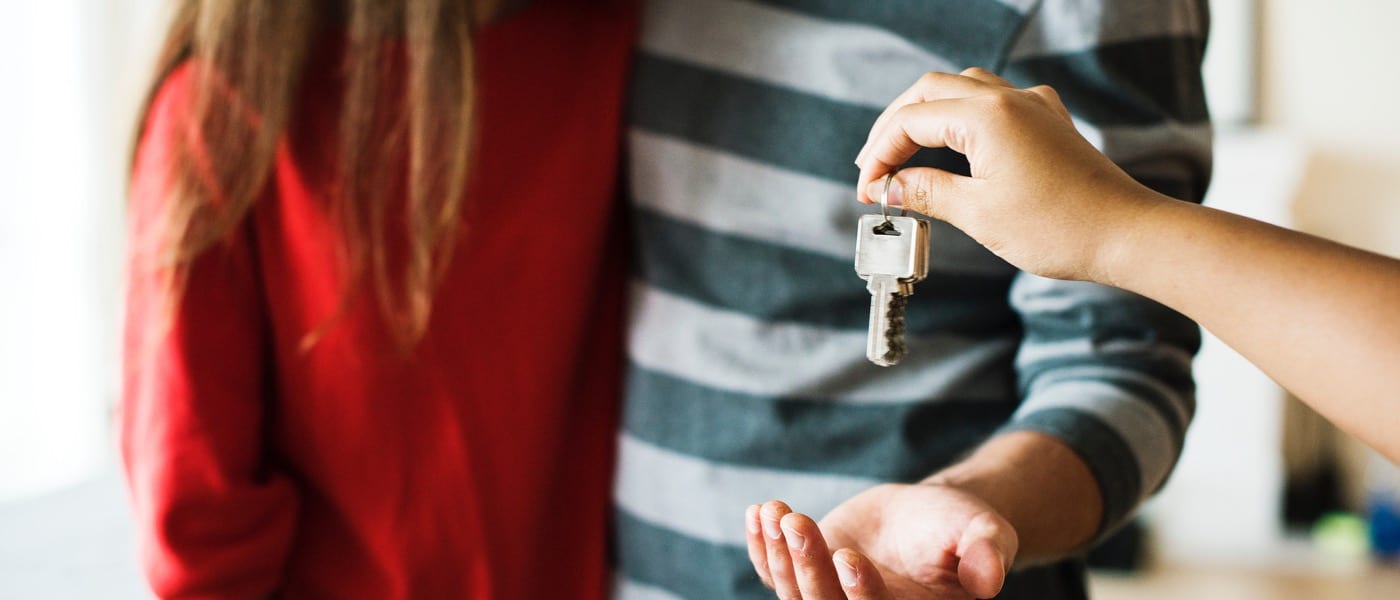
(1038, 485)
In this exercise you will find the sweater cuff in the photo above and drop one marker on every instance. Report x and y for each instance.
(1108, 456)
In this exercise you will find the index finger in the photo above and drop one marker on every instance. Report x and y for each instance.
(811, 561)
(936, 124)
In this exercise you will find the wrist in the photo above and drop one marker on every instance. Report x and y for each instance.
(1038, 484)
(1126, 234)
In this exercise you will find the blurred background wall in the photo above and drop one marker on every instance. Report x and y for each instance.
(1330, 75)
(1309, 137)
(72, 71)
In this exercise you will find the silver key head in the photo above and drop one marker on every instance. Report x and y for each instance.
(897, 247)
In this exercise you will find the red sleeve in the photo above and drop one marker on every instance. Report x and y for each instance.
(214, 520)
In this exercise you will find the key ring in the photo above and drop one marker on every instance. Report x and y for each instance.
(885, 198)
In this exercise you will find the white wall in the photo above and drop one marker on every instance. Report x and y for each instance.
(1331, 75)
(72, 77)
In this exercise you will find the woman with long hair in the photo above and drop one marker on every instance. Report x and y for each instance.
(372, 337)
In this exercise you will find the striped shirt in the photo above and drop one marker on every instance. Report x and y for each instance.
(747, 375)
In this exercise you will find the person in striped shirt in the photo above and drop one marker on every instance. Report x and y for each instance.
(1041, 408)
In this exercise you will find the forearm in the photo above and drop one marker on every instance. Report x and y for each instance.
(1039, 485)
(1318, 317)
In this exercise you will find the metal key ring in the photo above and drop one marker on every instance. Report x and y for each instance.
(885, 197)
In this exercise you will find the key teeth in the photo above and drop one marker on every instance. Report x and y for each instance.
(894, 331)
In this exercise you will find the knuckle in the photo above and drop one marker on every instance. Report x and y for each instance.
(933, 79)
(1001, 104)
(1044, 95)
(905, 112)
(1044, 91)
(975, 72)
(1004, 100)
(922, 191)
(805, 555)
(989, 524)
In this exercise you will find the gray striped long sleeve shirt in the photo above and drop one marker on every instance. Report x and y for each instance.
(747, 378)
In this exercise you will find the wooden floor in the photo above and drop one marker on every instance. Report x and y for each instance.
(1176, 583)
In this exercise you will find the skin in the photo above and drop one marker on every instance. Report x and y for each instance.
(953, 535)
(1317, 316)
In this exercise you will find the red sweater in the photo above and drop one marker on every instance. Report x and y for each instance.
(478, 467)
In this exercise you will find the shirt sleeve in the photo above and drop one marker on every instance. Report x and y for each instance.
(1107, 371)
(215, 519)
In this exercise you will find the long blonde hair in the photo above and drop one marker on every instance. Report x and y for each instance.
(251, 56)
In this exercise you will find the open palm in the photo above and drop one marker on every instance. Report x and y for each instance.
(899, 540)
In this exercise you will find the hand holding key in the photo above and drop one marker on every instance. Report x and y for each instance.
(1039, 196)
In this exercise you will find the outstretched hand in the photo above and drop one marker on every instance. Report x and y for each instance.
(1039, 195)
(891, 541)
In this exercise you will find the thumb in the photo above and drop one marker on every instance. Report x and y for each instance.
(925, 190)
(985, 554)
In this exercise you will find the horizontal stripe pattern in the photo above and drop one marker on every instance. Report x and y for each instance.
(760, 121)
(657, 557)
(1139, 82)
(781, 283)
(746, 376)
(1178, 407)
(1069, 26)
(1052, 314)
(1079, 348)
(1071, 325)
(727, 350)
(628, 589)
(810, 435)
(964, 32)
(659, 486)
(775, 206)
(819, 57)
(819, 137)
(1132, 374)
(831, 60)
(1171, 158)
(1153, 445)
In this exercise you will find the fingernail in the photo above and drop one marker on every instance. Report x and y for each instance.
(751, 519)
(877, 187)
(794, 539)
(770, 527)
(845, 571)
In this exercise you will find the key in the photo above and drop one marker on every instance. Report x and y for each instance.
(891, 255)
